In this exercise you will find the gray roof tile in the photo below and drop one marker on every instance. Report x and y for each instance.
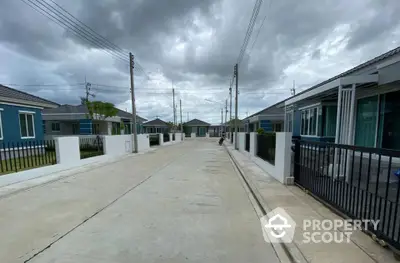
(11, 93)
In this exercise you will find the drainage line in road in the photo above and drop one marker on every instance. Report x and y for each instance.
(264, 212)
(97, 212)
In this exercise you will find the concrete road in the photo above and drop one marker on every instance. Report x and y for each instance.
(181, 203)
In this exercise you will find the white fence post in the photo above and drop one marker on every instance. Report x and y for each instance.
(283, 156)
(170, 137)
(161, 138)
(241, 141)
(117, 144)
(143, 142)
(253, 144)
(193, 135)
(67, 150)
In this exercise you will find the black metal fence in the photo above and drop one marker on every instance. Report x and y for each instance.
(361, 182)
(20, 156)
(91, 147)
(173, 137)
(166, 137)
(266, 144)
(247, 142)
(154, 139)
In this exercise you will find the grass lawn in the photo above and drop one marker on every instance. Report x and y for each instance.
(90, 153)
(25, 163)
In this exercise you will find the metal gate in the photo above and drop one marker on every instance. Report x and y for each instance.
(361, 182)
(247, 142)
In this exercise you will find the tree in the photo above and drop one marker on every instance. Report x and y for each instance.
(100, 110)
(83, 100)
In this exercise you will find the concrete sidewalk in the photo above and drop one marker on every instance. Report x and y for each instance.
(301, 206)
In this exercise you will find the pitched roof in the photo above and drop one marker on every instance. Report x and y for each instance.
(13, 95)
(364, 65)
(196, 122)
(156, 122)
(76, 109)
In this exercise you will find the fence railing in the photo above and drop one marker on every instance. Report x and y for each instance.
(91, 147)
(173, 136)
(266, 144)
(247, 142)
(20, 156)
(361, 182)
(154, 139)
(166, 137)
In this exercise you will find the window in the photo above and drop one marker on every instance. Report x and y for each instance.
(309, 121)
(55, 127)
(75, 128)
(26, 124)
(277, 127)
(367, 109)
(44, 127)
(329, 121)
(1, 128)
(95, 128)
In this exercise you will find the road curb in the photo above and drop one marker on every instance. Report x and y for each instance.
(286, 252)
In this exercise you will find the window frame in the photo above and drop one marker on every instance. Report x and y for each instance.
(1, 124)
(59, 126)
(308, 117)
(26, 113)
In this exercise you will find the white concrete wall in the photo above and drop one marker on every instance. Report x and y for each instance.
(253, 144)
(241, 141)
(67, 150)
(161, 138)
(170, 137)
(207, 135)
(281, 170)
(143, 142)
(193, 135)
(117, 144)
(178, 137)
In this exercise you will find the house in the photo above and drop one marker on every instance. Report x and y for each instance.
(20, 116)
(216, 130)
(196, 126)
(270, 119)
(360, 106)
(74, 120)
(156, 126)
(231, 125)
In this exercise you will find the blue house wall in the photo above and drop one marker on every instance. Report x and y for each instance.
(11, 126)
(266, 125)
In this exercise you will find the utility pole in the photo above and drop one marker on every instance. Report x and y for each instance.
(222, 120)
(132, 65)
(173, 105)
(230, 111)
(236, 106)
(226, 114)
(180, 108)
(293, 90)
(188, 116)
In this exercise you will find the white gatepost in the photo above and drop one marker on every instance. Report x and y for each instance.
(143, 142)
(283, 157)
(161, 136)
(170, 138)
(241, 141)
(253, 144)
(193, 135)
(207, 135)
(67, 150)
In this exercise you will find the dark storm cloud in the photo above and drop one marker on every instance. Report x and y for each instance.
(192, 43)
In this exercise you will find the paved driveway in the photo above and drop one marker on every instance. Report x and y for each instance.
(181, 203)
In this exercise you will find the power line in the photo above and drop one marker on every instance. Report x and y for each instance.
(70, 23)
(259, 29)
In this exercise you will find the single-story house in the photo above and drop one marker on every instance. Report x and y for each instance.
(196, 126)
(20, 116)
(156, 126)
(270, 119)
(216, 130)
(360, 106)
(75, 120)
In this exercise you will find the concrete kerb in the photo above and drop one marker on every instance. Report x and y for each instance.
(286, 252)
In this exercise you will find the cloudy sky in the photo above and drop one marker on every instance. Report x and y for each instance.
(191, 45)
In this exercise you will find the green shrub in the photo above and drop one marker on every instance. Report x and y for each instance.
(260, 131)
